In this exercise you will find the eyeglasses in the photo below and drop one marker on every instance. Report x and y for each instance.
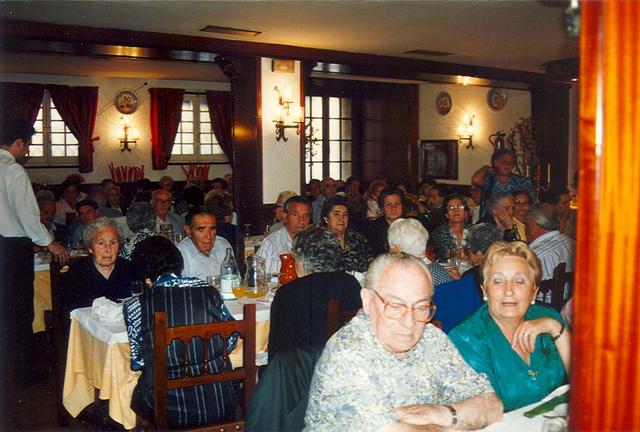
(456, 207)
(393, 310)
(522, 203)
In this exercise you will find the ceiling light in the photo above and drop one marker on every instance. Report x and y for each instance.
(229, 30)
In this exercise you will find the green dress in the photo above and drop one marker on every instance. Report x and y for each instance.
(488, 351)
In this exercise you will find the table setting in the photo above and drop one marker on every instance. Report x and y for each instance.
(547, 415)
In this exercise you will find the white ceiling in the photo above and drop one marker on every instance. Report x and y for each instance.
(520, 35)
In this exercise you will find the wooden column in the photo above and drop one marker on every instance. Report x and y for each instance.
(550, 112)
(244, 73)
(606, 339)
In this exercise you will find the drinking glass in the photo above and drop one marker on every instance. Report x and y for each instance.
(137, 288)
(453, 257)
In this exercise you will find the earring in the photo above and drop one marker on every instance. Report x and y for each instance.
(533, 301)
(485, 298)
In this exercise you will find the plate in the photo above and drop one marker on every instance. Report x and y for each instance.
(126, 101)
(497, 99)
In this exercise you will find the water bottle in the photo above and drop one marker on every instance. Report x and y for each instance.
(229, 276)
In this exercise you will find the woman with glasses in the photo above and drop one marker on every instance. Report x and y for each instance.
(452, 234)
(521, 203)
(523, 347)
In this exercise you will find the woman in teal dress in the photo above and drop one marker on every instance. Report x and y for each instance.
(524, 348)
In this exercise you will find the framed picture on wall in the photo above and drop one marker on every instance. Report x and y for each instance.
(439, 159)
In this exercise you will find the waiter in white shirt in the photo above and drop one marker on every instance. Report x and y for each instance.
(20, 229)
(297, 216)
(202, 251)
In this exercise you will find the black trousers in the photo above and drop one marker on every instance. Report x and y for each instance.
(16, 307)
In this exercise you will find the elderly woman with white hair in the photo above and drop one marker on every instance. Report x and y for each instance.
(101, 273)
(410, 237)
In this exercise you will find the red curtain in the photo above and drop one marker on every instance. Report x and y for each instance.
(78, 107)
(221, 113)
(20, 101)
(166, 111)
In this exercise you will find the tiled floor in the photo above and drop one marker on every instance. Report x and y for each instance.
(37, 410)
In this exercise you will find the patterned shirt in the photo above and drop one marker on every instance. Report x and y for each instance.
(553, 248)
(516, 182)
(272, 246)
(357, 383)
(356, 253)
(187, 301)
(444, 239)
(130, 244)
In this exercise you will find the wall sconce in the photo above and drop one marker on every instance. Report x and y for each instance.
(288, 117)
(466, 131)
(125, 141)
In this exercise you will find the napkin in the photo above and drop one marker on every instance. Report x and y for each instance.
(107, 310)
(548, 405)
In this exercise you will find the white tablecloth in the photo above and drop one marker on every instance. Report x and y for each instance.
(112, 332)
(98, 356)
(515, 421)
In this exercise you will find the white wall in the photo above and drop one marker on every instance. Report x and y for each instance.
(469, 100)
(280, 160)
(109, 126)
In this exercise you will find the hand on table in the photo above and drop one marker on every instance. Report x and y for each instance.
(59, 253)
(424, 415)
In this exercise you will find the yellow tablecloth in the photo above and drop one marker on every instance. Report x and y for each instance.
(41, 296)
(93, 363)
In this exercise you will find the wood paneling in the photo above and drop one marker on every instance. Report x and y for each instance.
(605, 374)
(27, 36)
(550, 112)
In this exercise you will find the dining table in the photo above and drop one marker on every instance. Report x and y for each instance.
(517, 421)
(99, 360)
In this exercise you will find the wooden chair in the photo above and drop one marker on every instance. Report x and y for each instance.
(337, 317)
(561, 278)
(163, 336)
(556, 286)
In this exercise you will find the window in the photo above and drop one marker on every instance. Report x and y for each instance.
(195, 140)
(53, 143)
(328, 150)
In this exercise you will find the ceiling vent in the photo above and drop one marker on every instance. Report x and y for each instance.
(428, 53)
(229, 30)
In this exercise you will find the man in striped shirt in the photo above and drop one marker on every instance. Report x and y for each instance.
(548, 243)
(297, 216)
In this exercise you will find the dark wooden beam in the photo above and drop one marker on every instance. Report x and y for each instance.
(18, 35)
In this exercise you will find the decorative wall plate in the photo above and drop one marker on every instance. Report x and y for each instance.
(497, 98)
(443, 103)
(126, 101)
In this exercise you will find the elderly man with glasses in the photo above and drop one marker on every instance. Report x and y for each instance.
(388, 370)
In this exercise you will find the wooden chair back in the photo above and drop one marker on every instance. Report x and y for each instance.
(337, 317)
(163, 336)
(556, 286)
